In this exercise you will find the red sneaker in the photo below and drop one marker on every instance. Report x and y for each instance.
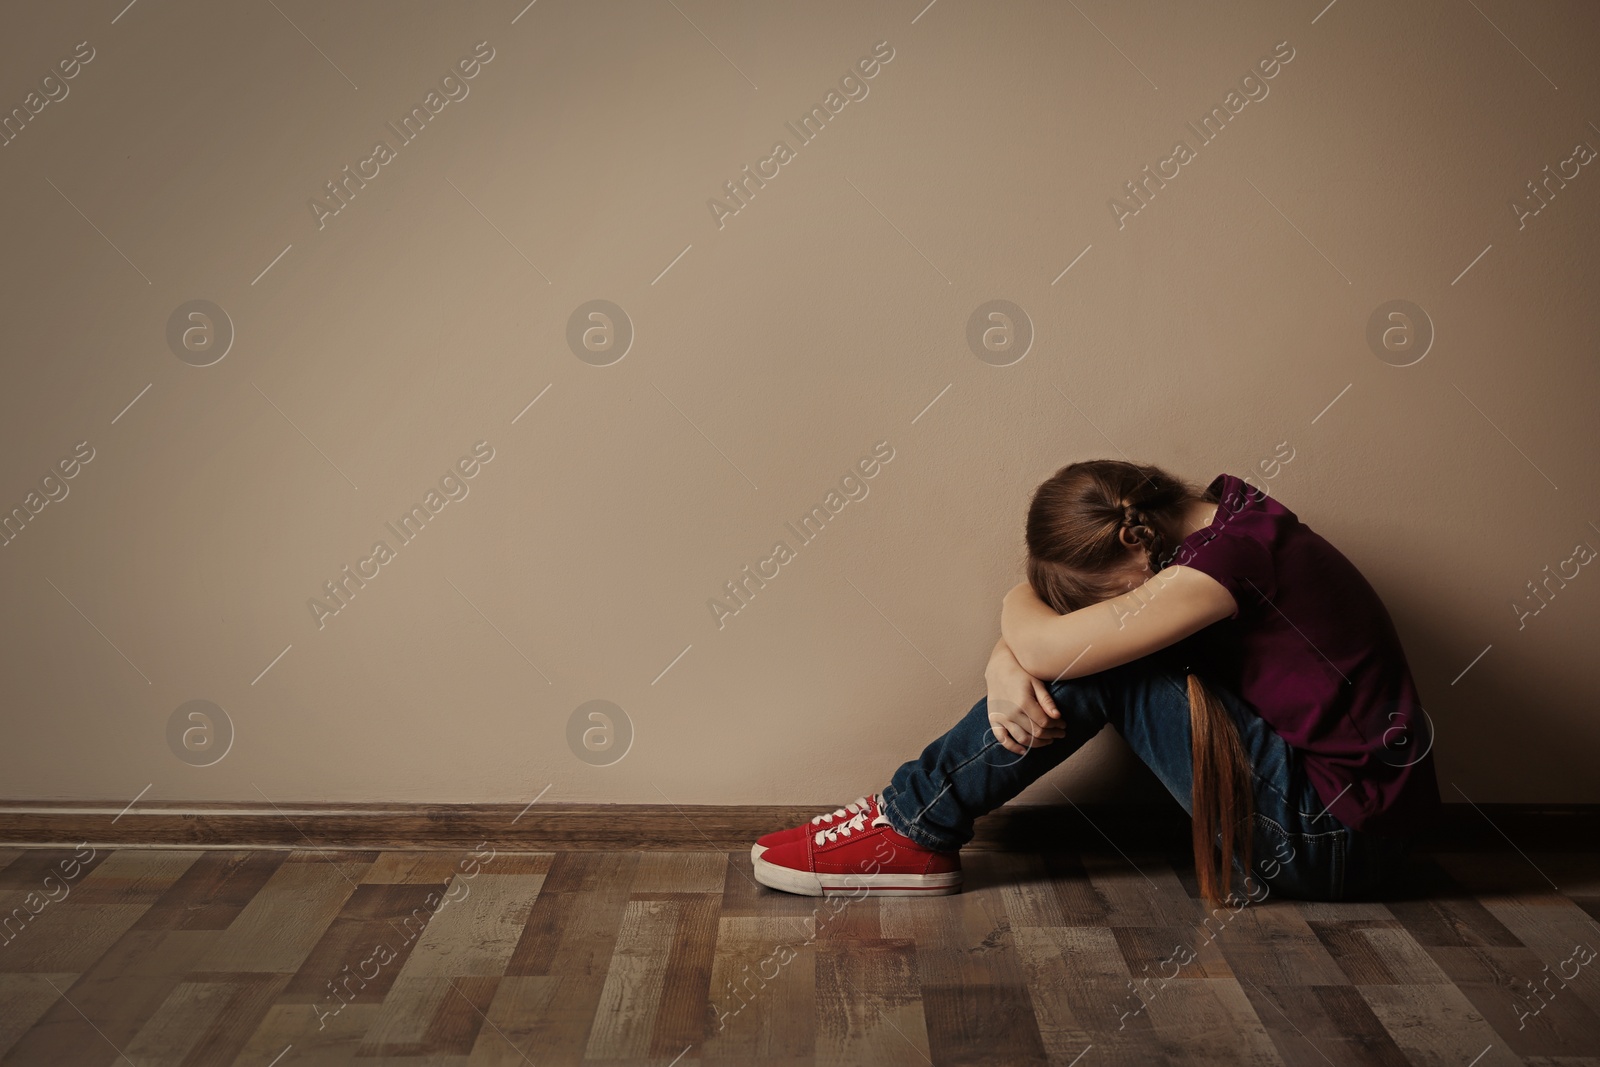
(868, 804)
(859, 855)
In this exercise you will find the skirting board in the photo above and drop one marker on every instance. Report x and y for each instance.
(589, 827)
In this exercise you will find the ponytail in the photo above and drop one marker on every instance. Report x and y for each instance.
(1223, 799)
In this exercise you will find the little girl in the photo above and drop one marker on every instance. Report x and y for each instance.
(1242, 657)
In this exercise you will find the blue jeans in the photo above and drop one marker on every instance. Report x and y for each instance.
(1299, 850)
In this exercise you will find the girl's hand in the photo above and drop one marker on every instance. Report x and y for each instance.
(1021, 712)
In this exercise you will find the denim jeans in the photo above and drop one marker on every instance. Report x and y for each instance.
(1299, 850)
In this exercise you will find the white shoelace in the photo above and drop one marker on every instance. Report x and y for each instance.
(860, 805)
(845, 829)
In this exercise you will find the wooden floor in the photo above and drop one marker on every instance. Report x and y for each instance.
(295, 958)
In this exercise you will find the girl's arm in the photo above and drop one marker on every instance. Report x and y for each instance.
(1169, 606)
(1022, 712)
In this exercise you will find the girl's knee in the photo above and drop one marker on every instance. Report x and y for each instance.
(1078, 697)
(977, 718)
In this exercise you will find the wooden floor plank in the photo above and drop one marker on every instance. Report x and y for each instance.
(334, 1041)
(763, 993)
(74, 932)
(1313, 911)
(406, 1017)
(174, 1028)
(522, 1025)
(1210, 1021)
(1152, 952)
(1283, 963)
(1436, 1024)
(680, 872)
(1271, 944)
(29, 867)
(26, 997)
(1028, 890)
(1078, 982)
(974, 991)
(1559, 935)
(643, 959)
(871, 1007)
(1448, 914)
(204, 1022)
(476, 927)
(1311, 1025)
(625, 1016)
(1519, 986)
(454, 1028)
(572, 925)
(1378, 953)
(681, 1019)
(363, 949)
(1140, 891)
(742, 895)
(251, 997)
(1536, 1013)
(1080, 902)
(415, 868)
(1354, 1033)
(285, 920)
(569, 937)
(212, 892)
(110, 1002)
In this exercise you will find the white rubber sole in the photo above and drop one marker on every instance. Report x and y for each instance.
(808, 884)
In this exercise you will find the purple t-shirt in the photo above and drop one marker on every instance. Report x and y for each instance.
(1319, 660)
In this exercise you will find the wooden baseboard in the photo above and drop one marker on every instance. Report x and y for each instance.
(591, 827)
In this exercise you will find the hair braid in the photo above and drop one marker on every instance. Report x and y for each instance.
(1143, 532)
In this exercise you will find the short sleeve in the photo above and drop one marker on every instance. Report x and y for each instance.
(1239, 562)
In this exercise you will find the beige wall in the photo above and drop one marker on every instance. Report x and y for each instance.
(822, 319)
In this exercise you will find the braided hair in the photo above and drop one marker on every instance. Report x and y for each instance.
(1141, 529)
(1083, 518)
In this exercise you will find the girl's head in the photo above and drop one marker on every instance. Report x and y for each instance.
(1098, 528)
(1095, 530)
